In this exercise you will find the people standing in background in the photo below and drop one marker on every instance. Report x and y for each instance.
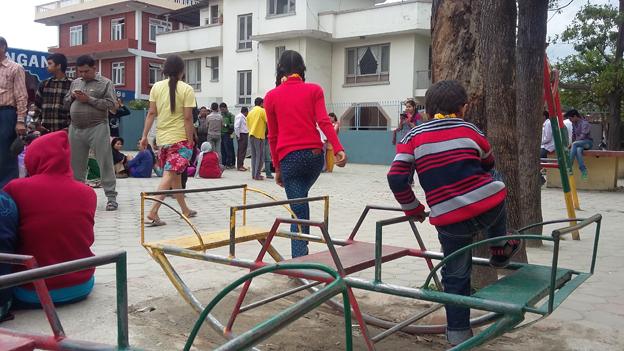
(294, 109)
(202, 125)
(329, 154)
(13, 101)
(91, 97)
(215, 124)
(257, 124)
(114, 117)
(548, 142)
(404, 127)
(173, 102)
(50, 96)
(268, 162)
(227, 143)
(413, 116)
(242, 135)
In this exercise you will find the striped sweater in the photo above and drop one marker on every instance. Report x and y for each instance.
(453, 159)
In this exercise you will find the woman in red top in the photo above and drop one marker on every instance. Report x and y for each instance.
(294, 109)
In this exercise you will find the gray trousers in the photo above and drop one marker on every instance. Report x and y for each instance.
(98, 139)
(257, 155)
(215, 141)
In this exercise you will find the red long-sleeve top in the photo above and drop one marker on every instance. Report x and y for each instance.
(293, 110)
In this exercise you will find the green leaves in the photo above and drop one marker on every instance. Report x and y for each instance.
(591, 75)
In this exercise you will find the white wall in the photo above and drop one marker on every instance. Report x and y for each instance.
(318, 60)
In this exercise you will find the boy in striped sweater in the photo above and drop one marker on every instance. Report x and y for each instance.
(453, 160)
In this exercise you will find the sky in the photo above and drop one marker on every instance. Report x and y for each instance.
(17, 26)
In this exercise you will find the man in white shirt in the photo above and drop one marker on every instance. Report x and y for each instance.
(548, 143)
(570, 128)
(242, 135)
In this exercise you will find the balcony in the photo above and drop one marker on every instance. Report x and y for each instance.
(99, 50)
(191, 40)
(60, 11)
(393, 18)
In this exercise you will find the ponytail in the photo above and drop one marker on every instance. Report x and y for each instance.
(173, 84)
(174, 68)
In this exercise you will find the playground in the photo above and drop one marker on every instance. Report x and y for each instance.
(160, 319)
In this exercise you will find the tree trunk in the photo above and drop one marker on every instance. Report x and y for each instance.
(459, 59)
(531, 46)
(615, 99)
(498, 38)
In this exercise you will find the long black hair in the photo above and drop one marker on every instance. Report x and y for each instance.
(289, 63)
(174, 67)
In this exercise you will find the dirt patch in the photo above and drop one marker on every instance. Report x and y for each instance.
(165, 323)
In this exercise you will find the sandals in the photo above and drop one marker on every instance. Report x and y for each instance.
(157, 222)
(191, 214)
(112, 205)
(501, 255)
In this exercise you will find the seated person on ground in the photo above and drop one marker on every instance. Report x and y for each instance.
(462, 194)
(208, 165)
(120, 160)
(57, 215)
(581, 140)
(141, 165)
(9, 221)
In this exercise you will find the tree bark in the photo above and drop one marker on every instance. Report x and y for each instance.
(615, 99)
(458, 59)
(498, 38)
(531, 46)
(454, 49)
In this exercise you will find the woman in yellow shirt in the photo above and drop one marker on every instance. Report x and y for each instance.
(172, 101)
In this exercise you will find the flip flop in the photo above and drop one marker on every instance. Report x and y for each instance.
(191, 214)
(156, 223)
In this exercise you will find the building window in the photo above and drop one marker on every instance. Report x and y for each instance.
(77, 35)
(117, 29)
(244, 87)
(365, 117)
(244, 32)
(279, 50)
(70, 72)
(119, 73)
(214, 14)
(157, 26)
(193, 73)
(281, 7)
(367, 64)
(213, 64)
(155, 73)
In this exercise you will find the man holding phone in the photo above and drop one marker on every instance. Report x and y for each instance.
(91, 97)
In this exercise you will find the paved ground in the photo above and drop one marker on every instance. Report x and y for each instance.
(596, 306)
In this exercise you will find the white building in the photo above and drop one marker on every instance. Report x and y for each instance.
(368, 57)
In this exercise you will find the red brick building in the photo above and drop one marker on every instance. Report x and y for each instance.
(119, 34)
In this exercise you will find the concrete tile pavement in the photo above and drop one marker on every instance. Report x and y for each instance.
(597, 304)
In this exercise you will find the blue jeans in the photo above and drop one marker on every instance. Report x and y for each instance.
(8, 162)
(267, 158)
(576, 151)
(456, 273)
(300, 169)
(227, 150)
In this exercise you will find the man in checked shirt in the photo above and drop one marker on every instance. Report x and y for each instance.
(49, 98)
(13, 100)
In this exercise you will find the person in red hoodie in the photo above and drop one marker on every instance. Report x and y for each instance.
(56, 218)
(294, 109)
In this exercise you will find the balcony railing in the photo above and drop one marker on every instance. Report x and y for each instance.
(64, 3)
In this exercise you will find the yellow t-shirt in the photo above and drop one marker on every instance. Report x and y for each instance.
(170, 126)
(257, 122)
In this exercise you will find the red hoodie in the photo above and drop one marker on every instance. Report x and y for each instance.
(293, 110)
(56, 212)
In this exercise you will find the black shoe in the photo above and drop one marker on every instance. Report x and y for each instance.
(501, 255)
